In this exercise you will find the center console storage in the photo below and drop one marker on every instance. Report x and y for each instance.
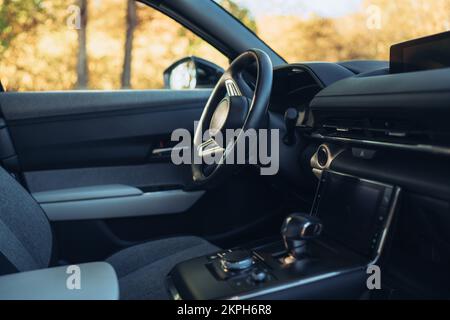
(306, 263)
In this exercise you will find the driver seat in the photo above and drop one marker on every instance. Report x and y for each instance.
(26, 243)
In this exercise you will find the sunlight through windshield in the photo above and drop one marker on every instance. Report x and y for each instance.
(330, 30)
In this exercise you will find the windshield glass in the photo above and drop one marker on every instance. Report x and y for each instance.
(331, 30)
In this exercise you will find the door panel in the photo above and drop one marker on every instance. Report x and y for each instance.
(145, 177)
(57, 130)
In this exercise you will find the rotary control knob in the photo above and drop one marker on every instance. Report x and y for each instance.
(258, 275)
(237, 260)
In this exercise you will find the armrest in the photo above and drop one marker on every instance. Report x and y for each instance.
(112, 201)
(98, 281)
(86, 193)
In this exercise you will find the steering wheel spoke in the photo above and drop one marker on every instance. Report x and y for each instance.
(209, 147)
(232, 88)
(244, 107)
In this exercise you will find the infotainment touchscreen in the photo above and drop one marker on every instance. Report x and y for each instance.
(427, 53)
(353, 211)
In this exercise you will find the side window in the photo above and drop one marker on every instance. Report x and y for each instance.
(96, 45)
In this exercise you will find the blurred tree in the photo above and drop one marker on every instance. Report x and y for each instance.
(196, 44)
(131, 18)
(158, 42)
(241, 13)
(40, 51)
(82, 58)
(354, 36)
(17, 17)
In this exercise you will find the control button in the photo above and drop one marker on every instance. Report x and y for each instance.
(258, 275)
(237, 260)
(213, 257)
(240, 285)
(386, 197)
(222, 253)
(363, 153)
(382, 215)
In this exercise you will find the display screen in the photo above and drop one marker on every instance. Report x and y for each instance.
(353, 211)
(421, 54)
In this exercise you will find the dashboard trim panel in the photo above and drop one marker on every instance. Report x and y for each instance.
(416, 147)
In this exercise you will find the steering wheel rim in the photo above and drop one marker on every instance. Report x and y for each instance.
(237, 91)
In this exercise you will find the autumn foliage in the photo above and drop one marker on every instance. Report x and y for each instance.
(39, 47)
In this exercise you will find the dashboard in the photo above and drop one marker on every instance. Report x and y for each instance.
(294, 87)
(359, 119)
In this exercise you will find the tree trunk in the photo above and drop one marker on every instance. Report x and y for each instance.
(82, 63)
(128, 48)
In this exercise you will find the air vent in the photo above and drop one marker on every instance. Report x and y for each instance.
(322, 156)
(380, 129)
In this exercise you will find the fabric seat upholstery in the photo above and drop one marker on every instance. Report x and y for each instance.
(26, 243)
(25, 233)
(142, 269)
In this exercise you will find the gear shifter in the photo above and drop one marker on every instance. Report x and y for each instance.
(296, 230)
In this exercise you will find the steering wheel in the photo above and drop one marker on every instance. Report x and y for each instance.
(233, 104)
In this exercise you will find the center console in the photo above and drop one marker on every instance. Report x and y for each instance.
(320, 255)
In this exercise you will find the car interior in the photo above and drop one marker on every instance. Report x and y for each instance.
(86, 179)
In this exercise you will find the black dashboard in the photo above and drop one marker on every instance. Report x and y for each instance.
(391, 128)
(294, 87)
(367, 106)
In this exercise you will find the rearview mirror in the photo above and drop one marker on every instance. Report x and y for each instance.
(191, 73)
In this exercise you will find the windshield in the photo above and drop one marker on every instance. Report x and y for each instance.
(331, 30)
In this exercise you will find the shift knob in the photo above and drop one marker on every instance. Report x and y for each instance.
(296, 230)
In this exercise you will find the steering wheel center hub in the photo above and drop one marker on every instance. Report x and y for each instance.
(230, 113)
